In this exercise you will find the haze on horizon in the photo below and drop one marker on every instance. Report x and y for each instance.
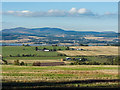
(79, 16)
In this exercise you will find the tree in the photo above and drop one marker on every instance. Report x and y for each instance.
(27, 45)
(67, 48)
(18, 55)
(22, 63)
(81, 45)
(59, 49)
(23, 55)
(16, 62)
(36, 64)
(54, 49)
(10, 55)
(44, 49)
(36, 48)
(5, 61)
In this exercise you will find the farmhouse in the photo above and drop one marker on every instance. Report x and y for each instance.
(76, 49)
(68, 58)
(79, 49)
(46, 50)
(80, 59)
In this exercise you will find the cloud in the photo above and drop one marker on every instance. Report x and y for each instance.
(56, 13)
(84, 11)
(109, 13)
(18, 13)
(73, 12)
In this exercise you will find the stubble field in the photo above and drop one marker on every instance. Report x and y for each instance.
(92, 51)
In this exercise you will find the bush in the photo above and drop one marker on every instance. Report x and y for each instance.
(22, 63)
(10, 55)
(85, 63)
(83, 59)
(61, 54)
(59, 49)
(5, 61)
(64, 59)
(36, 64)
(67, 48)
(71, 63)
(18, 55)
(36, 48)
(16, 62)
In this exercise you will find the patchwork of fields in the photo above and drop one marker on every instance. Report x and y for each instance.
(15, 76)
(92, 51)
(60, 76)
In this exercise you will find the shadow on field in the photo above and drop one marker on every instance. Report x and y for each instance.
(15, 85)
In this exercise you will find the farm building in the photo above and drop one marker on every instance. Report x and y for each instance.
(76, 49)
(68, 58)
(79, 49)
(80, 59)
(46, 50)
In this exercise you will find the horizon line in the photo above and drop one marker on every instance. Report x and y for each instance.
(62, 29)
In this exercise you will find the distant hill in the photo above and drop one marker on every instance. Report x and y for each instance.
(48, 31)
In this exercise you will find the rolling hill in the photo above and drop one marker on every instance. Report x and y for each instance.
(48, 31)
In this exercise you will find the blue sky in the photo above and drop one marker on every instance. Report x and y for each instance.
(78, 16)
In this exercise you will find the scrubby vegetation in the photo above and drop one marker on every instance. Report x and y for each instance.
(109, 60)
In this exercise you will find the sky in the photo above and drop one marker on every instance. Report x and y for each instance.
(77, 16)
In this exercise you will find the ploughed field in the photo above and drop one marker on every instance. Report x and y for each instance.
(59, 76)
(92, 51)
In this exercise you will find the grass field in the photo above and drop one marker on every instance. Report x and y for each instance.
(60, 76)
(92, 51)
(15, 50)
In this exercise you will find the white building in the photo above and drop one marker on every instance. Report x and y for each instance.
(46, 50)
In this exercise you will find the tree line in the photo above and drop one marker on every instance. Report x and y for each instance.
(35, 55)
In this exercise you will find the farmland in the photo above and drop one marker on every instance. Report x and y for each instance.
(92, 51)
(60, 76)
(76, 76)
(28, 54)
(15, 50)
(100, 38)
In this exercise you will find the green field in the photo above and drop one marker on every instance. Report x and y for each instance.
(60, 76)
(15, 50)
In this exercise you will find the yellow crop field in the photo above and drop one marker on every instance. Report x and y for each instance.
(91, 50)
